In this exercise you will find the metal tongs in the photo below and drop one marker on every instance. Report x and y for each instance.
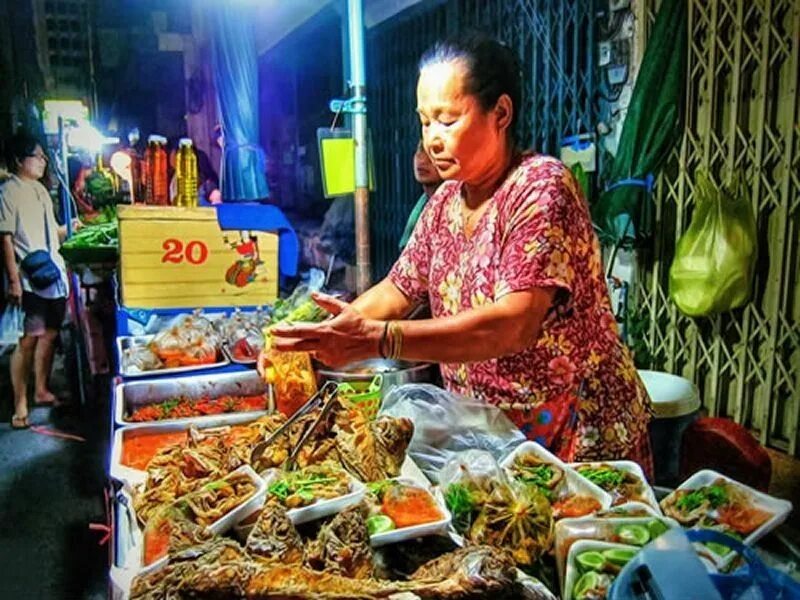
(325, 395)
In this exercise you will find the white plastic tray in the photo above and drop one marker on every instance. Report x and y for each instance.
(129, 395)
(127, 341)
(134, 554)
(133, 477)
(619, 511)
(415, 531)
(569, 532)
(575, 483)
(778, 507)
(321, 508)
(630, 467)
(573, 573)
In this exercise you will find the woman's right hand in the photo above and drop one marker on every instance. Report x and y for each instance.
(14, 294)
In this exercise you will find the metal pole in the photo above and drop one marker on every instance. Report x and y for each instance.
(66, 205)
(358, 81)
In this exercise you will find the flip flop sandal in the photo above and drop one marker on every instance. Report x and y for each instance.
(19, 422)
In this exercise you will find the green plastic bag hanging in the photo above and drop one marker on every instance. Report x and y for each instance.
(715, 258)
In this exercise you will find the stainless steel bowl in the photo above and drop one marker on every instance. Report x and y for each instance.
(394, 372)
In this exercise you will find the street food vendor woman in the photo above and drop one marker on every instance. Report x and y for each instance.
(507, 258)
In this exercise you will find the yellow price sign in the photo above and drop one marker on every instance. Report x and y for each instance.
(173, 257)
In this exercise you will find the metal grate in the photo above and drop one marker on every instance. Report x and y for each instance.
(742, 113)
(554, 41)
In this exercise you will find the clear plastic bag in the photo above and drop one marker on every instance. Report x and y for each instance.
(715, 258)
(11, 325)
(446, 423)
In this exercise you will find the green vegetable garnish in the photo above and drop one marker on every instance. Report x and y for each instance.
(607, 478)
(619, 556)
(714, 494)
(589, 585)
(379, 488)
(656, 528)
(461, 504)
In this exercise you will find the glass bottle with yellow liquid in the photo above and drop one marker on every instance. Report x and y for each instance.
(186, 173)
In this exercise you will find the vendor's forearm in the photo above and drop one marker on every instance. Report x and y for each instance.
(9, 261)
(476, 335)
(383, 301)
(62, 232)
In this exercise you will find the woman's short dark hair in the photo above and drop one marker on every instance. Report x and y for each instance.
(20, 146)
(492, 68)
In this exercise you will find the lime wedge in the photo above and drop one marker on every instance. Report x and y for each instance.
(619, 556)
(590, 561)
(379, 524)
(590, 585)
(638, 535)
(656, 528)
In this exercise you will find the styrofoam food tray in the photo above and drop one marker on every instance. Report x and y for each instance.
(575, 483)
(135, 555)
(779, 508)
(130, 395)
(570, 531)
(573, 572)
(127, 341)
(321, 508)
(415, 531)
(630, 467)
(133, 477)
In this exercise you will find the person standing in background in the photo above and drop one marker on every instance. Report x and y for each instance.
(427, 176)
(27, 225)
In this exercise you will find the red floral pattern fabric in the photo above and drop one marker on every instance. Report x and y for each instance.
(536, 232)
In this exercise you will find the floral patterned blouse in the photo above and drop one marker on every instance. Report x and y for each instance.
(535, 233)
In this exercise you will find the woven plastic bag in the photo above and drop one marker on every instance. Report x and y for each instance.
(715, 258)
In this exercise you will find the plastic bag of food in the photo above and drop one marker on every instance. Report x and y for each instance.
(11, 325)
(139, 359)
(299, 307)
(446, 423)
(488, 508)
(715, 258)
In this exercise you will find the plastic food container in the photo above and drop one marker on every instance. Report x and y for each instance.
(321, 508)
(629, 467)
(126, 342)
(131, 395)
(571, 531)
(573, 572)
(779, 508)
(575, 483)
(415, 531)
(128, 475)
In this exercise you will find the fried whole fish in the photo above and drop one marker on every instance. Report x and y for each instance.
(342, 546)
(274, 537)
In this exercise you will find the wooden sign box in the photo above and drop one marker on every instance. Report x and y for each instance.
(174, 257)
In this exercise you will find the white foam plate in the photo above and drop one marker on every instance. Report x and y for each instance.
(575, 483)
(415, 531)
(126, 341)
(135, 553)
(629, 467)
(321, 508)
(573, 572)
(779, 508)
(594, 528)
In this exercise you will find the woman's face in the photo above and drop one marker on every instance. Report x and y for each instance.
(424, 171)
(33, 166)
(463, 140)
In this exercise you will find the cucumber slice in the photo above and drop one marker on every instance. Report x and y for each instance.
(619, 556)
(638, 535)
(590, 561)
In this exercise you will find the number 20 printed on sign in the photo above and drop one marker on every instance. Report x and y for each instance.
(194, 252)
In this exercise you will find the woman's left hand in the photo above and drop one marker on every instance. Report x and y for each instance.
(345, 338)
